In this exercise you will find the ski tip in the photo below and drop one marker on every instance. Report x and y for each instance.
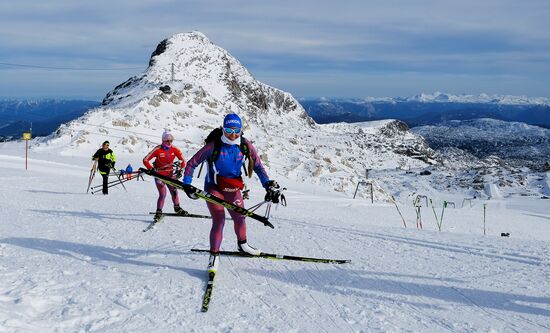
(268, 224)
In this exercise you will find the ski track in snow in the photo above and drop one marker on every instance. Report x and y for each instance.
(76, 262)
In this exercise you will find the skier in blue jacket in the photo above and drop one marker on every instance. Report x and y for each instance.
(224, 180)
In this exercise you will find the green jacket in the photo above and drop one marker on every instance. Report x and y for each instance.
(105, 160)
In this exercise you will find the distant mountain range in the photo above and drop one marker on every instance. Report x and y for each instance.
(426, 109)
(445, 121)
(517, 143)
(45, 115)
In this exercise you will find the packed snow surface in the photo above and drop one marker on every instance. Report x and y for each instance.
(75, 262)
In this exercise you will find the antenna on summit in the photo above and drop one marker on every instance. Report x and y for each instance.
(172, 72)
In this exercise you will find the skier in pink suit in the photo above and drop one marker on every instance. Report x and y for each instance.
(226, 152)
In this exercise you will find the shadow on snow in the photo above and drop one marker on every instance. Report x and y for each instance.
(370, 285)
(98, 253)
(90, 215)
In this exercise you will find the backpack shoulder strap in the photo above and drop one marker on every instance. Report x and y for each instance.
(248, 169)
(244, 147)
(216, 151)
(215, 136)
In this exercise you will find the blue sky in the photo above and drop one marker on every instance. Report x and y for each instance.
(308, 48)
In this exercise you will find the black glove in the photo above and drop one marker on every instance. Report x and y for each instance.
(271, 183)
(273, 191)
(190, 191)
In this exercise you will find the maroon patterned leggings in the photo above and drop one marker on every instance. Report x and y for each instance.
(218, 217)
(161, 187)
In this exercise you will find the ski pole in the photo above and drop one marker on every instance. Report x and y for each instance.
(417, 205)
(120, 180)
(92, 175)
(114, 182)
(109, 183)
(435, 214)
(442, 212)
(395, 203)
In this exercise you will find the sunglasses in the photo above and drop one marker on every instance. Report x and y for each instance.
(168, 140)
(232, 130)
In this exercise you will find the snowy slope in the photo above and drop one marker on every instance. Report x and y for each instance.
(71, 262)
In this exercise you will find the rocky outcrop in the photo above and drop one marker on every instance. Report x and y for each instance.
(161, 47)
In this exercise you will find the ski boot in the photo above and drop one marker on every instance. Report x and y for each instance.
(158, 216)
(213, 262)
(245, 248)
(178, 210)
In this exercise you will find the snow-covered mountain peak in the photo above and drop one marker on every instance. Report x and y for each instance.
(188, 66)
(193, 58)
(435, 97)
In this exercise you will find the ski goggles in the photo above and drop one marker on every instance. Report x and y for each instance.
(232, 130)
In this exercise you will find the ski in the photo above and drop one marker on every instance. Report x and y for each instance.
(98, 188)
(278, 257)
(116, 181)
(198, 216)
(208, 197)
(208, 292)
(153, 224)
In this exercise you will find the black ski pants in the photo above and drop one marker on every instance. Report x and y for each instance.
(105, 181)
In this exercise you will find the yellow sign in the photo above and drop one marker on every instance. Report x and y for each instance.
(26, 136)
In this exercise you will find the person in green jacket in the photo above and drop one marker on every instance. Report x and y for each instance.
(105, 162)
